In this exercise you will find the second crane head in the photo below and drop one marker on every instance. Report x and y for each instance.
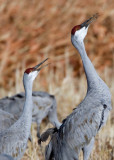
(31, 73)
(79, 32)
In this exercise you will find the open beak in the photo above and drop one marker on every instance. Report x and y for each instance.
(90, 20)
(38, 67)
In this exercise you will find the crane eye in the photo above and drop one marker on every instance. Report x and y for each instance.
(75, 28)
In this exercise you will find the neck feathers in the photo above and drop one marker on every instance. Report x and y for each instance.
(26, 117)
(91, 74)
(28, 99)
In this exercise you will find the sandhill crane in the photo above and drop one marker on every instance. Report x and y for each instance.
(78, 130)
(44, 105)
(13, 141)
(5, 157)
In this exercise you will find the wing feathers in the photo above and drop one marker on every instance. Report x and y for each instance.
(81, 126)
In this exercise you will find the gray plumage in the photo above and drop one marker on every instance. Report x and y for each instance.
(44, 105)
(6, 120)
(13, 141)
(5, 157)
(78, 130)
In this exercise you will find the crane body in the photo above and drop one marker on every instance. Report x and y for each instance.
(6, 120)
(5, 157)
(13, 141)
(79, 129)
(44, 105)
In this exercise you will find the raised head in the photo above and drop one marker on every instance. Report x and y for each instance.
(31, 73)
(80, 31)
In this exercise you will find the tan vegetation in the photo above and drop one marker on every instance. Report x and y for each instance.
(33, 30)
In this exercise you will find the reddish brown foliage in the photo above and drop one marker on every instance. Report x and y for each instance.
(33, 29)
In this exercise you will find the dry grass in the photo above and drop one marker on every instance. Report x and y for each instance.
(69, 91)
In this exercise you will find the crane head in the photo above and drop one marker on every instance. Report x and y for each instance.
(80, 31)
(31, 73)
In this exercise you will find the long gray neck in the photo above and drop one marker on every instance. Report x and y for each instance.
(28, 98)
(26, 117)
(91, 74)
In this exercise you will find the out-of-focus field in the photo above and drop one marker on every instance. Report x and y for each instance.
(31, 31)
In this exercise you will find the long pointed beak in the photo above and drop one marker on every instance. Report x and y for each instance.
(90, 20)
(38, 67)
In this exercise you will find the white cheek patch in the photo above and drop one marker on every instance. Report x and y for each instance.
(80, 34)
(33, 74)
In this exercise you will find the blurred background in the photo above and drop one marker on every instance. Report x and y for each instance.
(31, 31)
